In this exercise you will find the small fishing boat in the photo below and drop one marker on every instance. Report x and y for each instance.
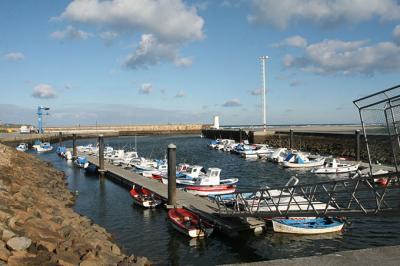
(210, 183)
(334, 167)
(44, 147)
(144, 197)
(36, 144)
(81, 162)
(189, 223)
(299, 160)
(307, 226)
(260, 150)
(22, 147)
(61, 150)
(277, 156)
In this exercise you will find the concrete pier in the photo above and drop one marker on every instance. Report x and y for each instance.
(387, 256)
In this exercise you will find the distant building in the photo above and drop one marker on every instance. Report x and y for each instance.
(216, 122)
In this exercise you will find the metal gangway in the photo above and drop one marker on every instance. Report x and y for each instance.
(359, 195)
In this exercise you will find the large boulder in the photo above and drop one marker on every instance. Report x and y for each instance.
(4, 252)
(19, 243)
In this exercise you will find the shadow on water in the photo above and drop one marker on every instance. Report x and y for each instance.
(145, 232)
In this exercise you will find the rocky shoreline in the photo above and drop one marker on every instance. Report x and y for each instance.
(38, 225)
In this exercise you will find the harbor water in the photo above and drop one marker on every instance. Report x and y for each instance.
(146, 232)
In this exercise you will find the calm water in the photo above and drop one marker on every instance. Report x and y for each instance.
(146, 232)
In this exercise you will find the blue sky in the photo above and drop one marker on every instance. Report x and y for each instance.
(173, 61)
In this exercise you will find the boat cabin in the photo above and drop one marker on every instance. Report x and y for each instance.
(193, 171)
(212, 177)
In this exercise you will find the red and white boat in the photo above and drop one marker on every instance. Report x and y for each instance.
(210, 184)
(211, 190)
(189, 223)
(144, 197)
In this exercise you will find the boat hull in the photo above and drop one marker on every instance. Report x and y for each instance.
(188, 223)
(210, 190)
(303, 165)
(281, 227)
(338, 170)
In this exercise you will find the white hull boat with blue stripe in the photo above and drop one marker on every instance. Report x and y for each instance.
(307, 226)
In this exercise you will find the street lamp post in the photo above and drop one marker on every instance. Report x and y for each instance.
(263, 60)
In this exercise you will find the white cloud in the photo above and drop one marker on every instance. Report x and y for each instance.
(396, 34)
(170, 20)
(165, 26)
(153, 52)
(70, 33)
(43, 91)
(180, 94)
(146, 88)
(232, 103)
(342, 57)
(14, 56)
(256, 92)
(108, 37)
(295, 41)
(322, 12)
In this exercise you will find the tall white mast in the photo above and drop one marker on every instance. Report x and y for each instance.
(263, 59)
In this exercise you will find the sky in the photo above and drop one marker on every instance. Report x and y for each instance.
(175, 61)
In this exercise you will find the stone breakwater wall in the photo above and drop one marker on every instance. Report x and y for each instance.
(132, 129)
(37, 224)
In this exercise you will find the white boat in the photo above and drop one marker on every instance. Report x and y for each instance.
(210, 183)
(187, 172)
(160, 169)
(260, 150)
(277, 156)
(127, 159)
(299, 160)
(36, 144)
(334, 167)
(89, 149)
(44, 147)
(81, 162)
(145, 165)
(22, 147)
(68, 155)
(307, 226)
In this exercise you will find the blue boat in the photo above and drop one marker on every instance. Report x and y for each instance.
(307, 226)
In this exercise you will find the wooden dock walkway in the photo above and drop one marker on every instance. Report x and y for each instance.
(201, 206)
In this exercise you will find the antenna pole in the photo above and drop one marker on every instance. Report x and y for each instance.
(263, 59)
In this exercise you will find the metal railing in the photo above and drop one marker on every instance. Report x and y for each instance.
(351, 197)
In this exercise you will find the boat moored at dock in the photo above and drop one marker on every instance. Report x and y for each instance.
(189, 223)
(307, 226)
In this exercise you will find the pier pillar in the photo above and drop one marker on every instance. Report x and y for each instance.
(101, 153)
(74, 154)
(171, 174)
(60, 139)
(357, 145)
(291, 139)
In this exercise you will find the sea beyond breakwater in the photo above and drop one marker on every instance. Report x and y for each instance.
(37, 223)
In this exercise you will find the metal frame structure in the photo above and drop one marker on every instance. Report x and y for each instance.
(350, 197)
(385, 102)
